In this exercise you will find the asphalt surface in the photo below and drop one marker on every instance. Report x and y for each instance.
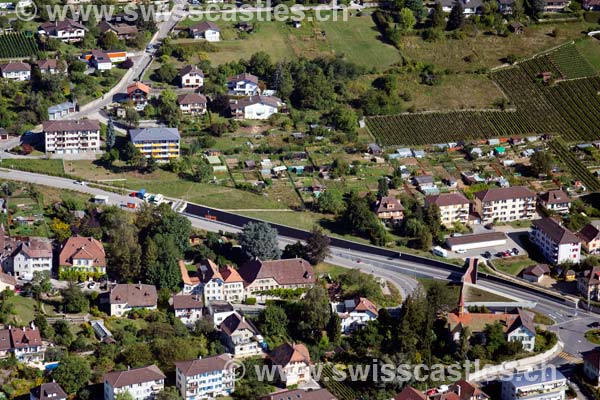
(571, 323)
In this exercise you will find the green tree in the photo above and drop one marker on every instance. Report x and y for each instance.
(417, 8)
(132, 117)
(260, 64)
(110, 135)
(331, 201)
(383, 189)
(168, 108)
(518, 10)
(425, 240)
(124, 396)
(61, 230)
(334, 328)
(456, 19)
(438, 16)
(109, 41)
(536, 8)
(74, 300)
(165, 273)
(273, 321)
(259, 240)
(124, 253)
(314, 313)
(343, 118)
(541, 163)
(72, 374)
(406, 20)
(170, 393)
(317, 246)
(166, 73)
(359, 219)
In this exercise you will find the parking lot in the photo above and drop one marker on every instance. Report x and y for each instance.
(513, 242)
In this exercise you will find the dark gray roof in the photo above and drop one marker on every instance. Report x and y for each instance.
(145, 134)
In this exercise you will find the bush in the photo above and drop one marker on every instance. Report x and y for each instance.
(251, 301)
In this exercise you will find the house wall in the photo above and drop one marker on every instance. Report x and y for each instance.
(259, 111)
(208, 385)
(505, 210)
(141, 391)
(23, 267)
(72, 142)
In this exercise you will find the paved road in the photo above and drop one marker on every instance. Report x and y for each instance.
(574, 322)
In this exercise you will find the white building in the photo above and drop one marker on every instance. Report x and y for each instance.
(66, 30)
(192, 103)
(61, 110)
(205, 378)
(505, 204)
(71, 136)
(191, 77)
(556, 243)
(540, 384)
(243, 85)
(223, 283)
(159, 143)
(555, 200)
(141, 383)
(16, 71)
(127, 297)
(219, 311)
(7, 282)
(29, 257)
(292, 362)
(476, 241)
(206, 30)
(355, 313)
(454, 207)
(255, 107)
(25, 343)
(240, 336)
(188, 308)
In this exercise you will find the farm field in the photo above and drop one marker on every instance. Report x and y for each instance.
(574, 165)
(560, 106)
(17, 45)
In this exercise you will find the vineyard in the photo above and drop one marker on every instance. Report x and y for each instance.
(568, 107)
(17, 45)
(574, 165)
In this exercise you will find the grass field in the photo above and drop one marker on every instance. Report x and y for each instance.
(356, 39)
(52, 166)
(24, 309)
(512, 266)
(593, 336)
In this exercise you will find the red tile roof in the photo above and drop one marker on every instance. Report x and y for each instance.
(446, 199)
(136, 295)
(138, 85)
(290, 353)
(82, 248)
(292, 271)
(410, 393)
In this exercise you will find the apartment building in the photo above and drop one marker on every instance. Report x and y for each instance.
(557, 243)
(72, 137)
(205, 378)
(162, 144)
(505, 204)
(454, 208)
(541, 384)
(127, 297)
(141, 383)
(220, 283)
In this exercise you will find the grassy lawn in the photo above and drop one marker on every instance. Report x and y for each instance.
(593, 336)
(590, 49)
(456, 92)
(475, 294)
(51, 166)
(542, 319)
(24, 309)
(333, 270)
(479, 50)
(356, 39)
(298, 219)
(512, 265)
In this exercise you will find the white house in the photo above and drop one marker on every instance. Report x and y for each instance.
(191, 76)
(29, 257)
(61, 110)
(127, 297)
(240, 336)
(541, 384)
(192, 103)
(25, 343)
(556, 243)
(205, 378)
(292, 362)
(243, 85)
(66, 30)
(141, 383)
(255, 107)
(555, 200)
(505, 204)
(206, 30)
(219, 311)
(16, 71)
(7, 282)
(262, 276)
(188, 308)
(355, 313)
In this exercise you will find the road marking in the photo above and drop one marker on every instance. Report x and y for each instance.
(570, 358)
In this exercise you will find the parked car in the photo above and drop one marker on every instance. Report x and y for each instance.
(461, 251)
(82, 183)
(487, 254)
(515, 251)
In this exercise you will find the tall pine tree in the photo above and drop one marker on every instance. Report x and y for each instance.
(456, 19)
(110, 135)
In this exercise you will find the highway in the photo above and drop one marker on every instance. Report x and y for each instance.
(571, 323)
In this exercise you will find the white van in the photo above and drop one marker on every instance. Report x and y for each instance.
(438, 251)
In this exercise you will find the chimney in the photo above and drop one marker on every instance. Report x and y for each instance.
(32, 325)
